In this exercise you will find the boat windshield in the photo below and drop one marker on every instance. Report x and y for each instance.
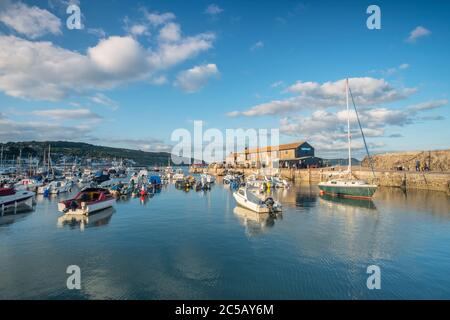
(253, 197)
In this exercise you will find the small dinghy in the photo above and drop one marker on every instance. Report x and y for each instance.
(87, 201)
(248, 199)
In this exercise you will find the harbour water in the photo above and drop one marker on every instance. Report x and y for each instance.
(197, 245)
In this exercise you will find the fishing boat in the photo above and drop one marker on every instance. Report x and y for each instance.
(87, 201)
(349, 187)
(12, 200)
(247, 198)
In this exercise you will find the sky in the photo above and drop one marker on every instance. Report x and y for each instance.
(138, 70)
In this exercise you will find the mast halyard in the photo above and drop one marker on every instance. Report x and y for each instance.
(348, 131)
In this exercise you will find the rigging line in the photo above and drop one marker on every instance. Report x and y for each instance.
(362, 133)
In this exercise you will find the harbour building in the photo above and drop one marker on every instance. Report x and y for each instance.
(291, 155)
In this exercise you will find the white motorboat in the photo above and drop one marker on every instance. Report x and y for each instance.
(87, 201)
(260, 183)
(15, 200)
(208, 178)
(277, 182)
(228, 179)
(108, 183)
(56, 187)
(28, 184)
(248, 198)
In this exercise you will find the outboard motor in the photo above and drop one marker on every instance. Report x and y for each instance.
(269, 202)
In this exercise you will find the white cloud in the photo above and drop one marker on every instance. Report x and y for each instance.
(372, 119)
(277, 84)
(391, 71)
(417, 33)
(313, 95)
(429, 105)
(139, 29)
(98, 32)
(118, 55)
(327, 129)
(159, 80)
(102, 99)
(44, 71)
(403, 66)
(213, 10)
(67, 114)
(41, 130)
(149, 144)
(172, 53)
(157, 19)
(32, 22)
(171, 32)
(38, 130)
(194, 79)
(136, 29)
(257, 45)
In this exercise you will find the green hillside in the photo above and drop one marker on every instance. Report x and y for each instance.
(81, 150)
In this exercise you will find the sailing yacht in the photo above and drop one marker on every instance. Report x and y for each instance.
(348, 187)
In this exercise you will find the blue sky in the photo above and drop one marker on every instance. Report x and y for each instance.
(137, 70)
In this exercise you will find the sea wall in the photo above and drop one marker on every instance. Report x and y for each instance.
(435, 181)
(436, 160)
(408, 180)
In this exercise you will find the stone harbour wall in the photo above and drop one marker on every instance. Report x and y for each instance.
(436, 181)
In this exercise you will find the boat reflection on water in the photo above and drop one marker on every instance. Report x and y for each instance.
(99, 219)
(343, 202)
(11, 218)
(256, 223)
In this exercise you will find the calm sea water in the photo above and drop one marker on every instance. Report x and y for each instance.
(198, 245)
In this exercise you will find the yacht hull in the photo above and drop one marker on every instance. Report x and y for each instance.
(353, 192)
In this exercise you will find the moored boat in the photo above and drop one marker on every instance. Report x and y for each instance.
(349, 187)
(248, 199)
(208, 178)
(356, 189)
(15, 200)
(55, 187)
(28, 184)
(179, 175)
(87, 201)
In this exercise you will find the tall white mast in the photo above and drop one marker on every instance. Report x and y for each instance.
(348, 131)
